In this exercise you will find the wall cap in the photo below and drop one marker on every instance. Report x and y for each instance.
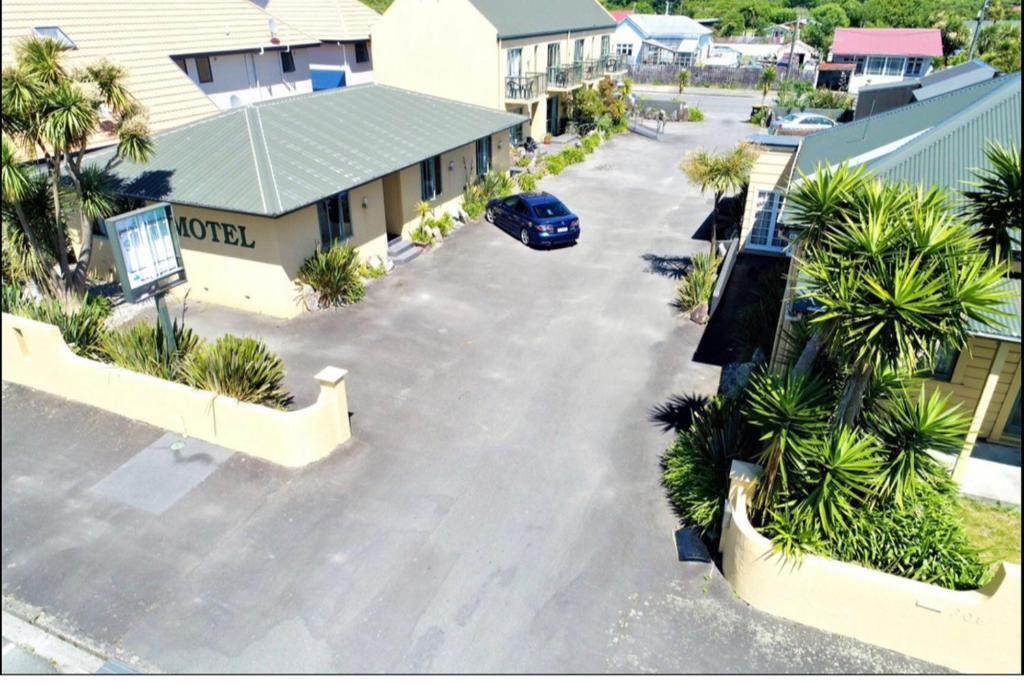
(745, 472)
(330, 376)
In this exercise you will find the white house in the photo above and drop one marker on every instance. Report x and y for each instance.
(662, 39)
(745, 53)
(875, 56)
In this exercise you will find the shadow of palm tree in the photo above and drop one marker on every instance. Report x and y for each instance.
(676, 414)
(672, 267)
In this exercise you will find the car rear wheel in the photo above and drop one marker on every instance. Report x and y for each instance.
(524, 235)
(489, 215)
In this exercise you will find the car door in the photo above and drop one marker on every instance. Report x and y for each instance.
(503, 213)
(519, 215)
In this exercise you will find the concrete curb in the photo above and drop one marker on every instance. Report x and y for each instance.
(66, 657)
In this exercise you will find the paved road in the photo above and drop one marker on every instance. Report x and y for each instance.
(498, 509)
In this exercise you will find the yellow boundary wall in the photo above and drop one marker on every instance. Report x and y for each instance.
(35, 355)
(974, 631)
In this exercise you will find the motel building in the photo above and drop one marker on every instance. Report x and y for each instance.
(255, 190)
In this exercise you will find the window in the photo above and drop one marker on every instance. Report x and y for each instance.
(606, 45)
(684, 59)
(182, 64)
(554, 54)
(335, 219)
(624, 49)
(860, 66)
(362, 52)
(430, 178)
(915, 65)
(1012, 427)
(876, 65)
(483, 155)
(765, 233)
(204, 69)
(578, 54)
(942, 365)
(894, 66)
(287, 62)
(514, 57)
(57, 34)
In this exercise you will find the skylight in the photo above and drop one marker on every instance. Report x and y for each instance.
(55, 33)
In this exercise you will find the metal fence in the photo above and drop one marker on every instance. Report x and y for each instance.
(707, 76)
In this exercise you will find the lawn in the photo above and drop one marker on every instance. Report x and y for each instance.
(994, 529)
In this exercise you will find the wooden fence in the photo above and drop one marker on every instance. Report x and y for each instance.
(706, 76)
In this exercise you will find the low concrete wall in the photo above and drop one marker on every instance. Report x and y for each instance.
(970, 631)
(35, 355)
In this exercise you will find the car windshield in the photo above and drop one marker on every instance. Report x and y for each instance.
(792, 117)
(551, 210)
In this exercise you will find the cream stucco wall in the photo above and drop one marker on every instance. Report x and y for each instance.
(440, 47)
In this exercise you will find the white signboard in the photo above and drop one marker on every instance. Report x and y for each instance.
(145, 244)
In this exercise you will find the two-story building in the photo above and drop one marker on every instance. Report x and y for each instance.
(662, 39)
(256, 189)
(526, 57)
(189, 59)
(872, 56)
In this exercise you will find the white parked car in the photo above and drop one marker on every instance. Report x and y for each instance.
(801, 123)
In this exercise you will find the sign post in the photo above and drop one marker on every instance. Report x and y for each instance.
(148, 257)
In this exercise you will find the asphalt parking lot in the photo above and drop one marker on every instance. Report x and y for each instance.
(499, 507)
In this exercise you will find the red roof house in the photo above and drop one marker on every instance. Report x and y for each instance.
(905, 42)
(620, 15)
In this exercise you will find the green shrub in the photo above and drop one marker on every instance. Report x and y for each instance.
(497, 185)
(422, 236)
(761, 117)
(555, 164)
(445, 223)
(241, 368)
(83, 328)
(368, 272)
(527, 182)
(574, 155)
(698, 284)
(695, 114)
(143, 348)
(334, 274)
(474, 202)
(13, 298)
(590, 143)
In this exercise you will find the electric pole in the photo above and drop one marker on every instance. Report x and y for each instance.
(977, 29)
(796, 37)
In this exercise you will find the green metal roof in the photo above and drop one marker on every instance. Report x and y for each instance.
(523, 18)
(951, 125)
(1006, 326)
(277, 156)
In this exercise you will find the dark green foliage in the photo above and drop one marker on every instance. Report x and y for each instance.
(142, 347)
(697, 464)
(239, 367)
(334, 274)
(994, 200)
(698, 284)
(83, 325)
(757, 320)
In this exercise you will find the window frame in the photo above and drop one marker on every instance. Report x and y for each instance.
(287, 62)
(769, 210)
(430, 179)
(181, 63)
(606, 46)
(339, 232)
(362, 57)
(891, 61)
(870, 66)
(943, 365)
(484, 154)
(200, 61)
(915, 66)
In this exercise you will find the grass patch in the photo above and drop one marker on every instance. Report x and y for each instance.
(993, 528)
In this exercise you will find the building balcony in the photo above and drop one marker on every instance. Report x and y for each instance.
(526, 88)
(613, 66)
(565, 78)
(593, 70)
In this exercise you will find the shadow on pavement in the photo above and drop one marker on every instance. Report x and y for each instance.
(676, 414)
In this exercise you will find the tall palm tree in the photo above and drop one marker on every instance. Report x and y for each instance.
(719, 173)
(54, 112)
(995, 198)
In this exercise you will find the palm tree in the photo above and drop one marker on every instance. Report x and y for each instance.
(683, 79)
(994, 201)
(719, 173)
(895, 274)
(767, 79)
(53, 113)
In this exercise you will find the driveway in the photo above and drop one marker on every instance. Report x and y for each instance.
(498, 508)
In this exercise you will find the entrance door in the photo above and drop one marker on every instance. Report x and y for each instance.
(553, 115)
(1012, 427)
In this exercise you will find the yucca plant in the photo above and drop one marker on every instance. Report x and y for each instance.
(82, 324)
(994, 202)
(527, 182)
(698, 284)
(334, 275)
(142, 347)
(791, 415)
(241, 368)
(496, 185)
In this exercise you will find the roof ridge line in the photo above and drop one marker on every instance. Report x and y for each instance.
(255, 160)
(270, 161)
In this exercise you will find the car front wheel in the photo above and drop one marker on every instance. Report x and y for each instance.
(524, 235)
(489, 215)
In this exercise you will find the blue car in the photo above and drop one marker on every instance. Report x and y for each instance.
(536, 218)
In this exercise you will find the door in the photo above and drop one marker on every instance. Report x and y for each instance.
(554, 61)
(515, 62)
(503, 213)
(552, 115)
(520, 216)
(578, 54)
(1012, 427)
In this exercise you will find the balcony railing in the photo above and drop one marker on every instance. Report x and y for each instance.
(525, 88)
(593, 70)
(613, 65)
(566, 77)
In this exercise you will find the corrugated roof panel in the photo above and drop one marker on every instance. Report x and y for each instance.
(520, 18)
(1007, 322)
(278, 156)
(326, 19)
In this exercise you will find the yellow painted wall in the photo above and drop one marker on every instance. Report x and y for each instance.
(968, 380)
(771, 172)
(440, 47)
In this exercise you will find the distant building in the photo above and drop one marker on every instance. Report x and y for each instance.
(872, 56)
(620, 15)
(662, 39)
(749, 53)
(876, 99)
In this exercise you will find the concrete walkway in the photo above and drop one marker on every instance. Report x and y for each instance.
(499, 508)
(993, 473)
